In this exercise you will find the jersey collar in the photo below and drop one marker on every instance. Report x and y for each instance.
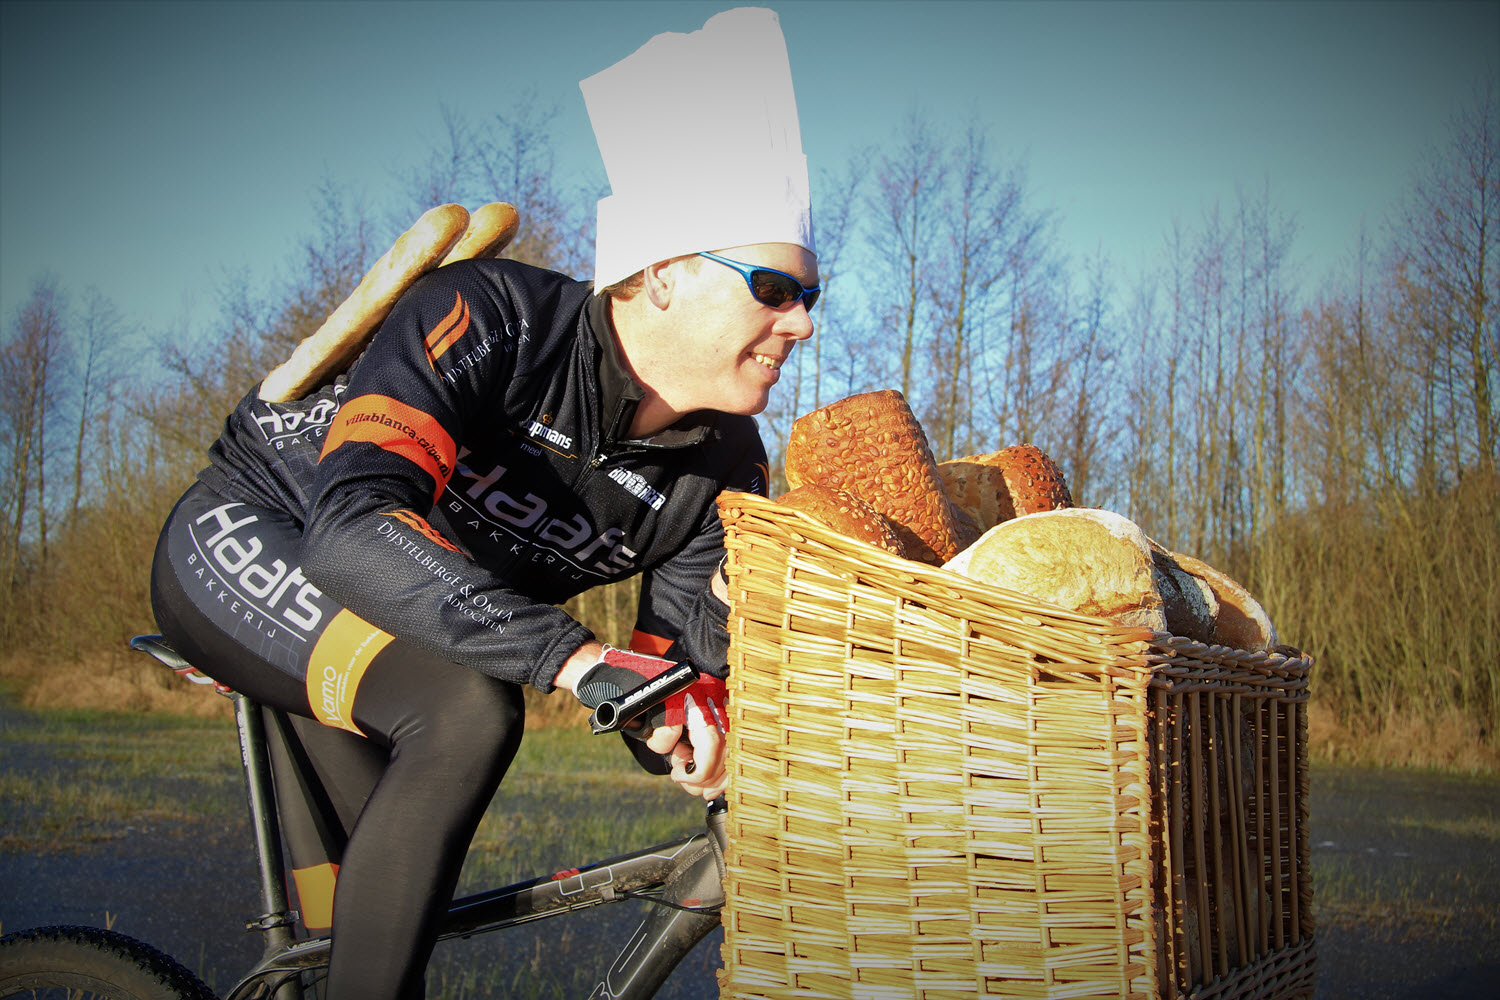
(620, 393)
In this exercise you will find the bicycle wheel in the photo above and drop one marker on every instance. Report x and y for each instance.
(81, 963)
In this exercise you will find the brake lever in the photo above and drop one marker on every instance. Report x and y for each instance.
(623, 714)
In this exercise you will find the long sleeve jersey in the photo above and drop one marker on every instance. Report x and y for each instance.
(473, 470)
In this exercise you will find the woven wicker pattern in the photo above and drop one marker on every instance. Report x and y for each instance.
(939, 789)
(1229, 820)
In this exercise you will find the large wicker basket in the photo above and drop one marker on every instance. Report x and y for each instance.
(941, 789)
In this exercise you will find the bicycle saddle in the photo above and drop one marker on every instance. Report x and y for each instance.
(162, 650)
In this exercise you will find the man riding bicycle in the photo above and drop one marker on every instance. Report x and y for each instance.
(382, 559)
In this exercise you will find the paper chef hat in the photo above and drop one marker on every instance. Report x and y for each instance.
(723, 168)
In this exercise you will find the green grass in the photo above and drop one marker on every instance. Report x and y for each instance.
(79, 778)
(1415, 852)
(1482, 827)
(573, 798)
(98, 775)
(71, 779)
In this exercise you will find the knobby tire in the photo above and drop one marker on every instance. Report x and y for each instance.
(48, 962)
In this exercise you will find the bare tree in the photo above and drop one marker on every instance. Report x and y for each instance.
(1449, 281)
(978, 214)
(1145, 458)
(448, 173)
(835, 221)
(908, 183)
(30, 368)
(1265, 364)
(102, 333)
(329, 264)
(1087, 431)
(510, 157)
(824, 367)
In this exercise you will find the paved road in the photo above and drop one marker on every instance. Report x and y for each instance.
(1407, 870)
(1407, 877)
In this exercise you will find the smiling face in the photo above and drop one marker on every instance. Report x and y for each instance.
(713, 346)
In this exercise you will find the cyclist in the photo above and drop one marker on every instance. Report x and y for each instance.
(382, 560)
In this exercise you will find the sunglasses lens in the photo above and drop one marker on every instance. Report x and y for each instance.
(775, 289)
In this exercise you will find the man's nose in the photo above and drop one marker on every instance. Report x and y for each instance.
(797, 323)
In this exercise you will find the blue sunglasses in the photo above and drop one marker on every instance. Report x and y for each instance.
(769, 286)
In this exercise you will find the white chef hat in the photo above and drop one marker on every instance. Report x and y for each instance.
(723, 166)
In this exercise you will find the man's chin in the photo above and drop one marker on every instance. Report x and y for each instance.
(742, 411)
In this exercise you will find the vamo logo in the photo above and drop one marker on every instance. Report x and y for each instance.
(285, 593)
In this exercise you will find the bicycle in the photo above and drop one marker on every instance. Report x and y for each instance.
(683, 879)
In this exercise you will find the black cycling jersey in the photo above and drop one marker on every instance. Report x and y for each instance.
(348, 556)
(474, 469)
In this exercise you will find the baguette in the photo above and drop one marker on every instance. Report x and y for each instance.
(345, 333)
(491, 228)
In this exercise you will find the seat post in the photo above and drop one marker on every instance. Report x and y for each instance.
(277, 920)
(263, 825)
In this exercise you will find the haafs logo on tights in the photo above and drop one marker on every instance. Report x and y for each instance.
(236, 564)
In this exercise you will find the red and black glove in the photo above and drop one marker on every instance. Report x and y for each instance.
(621, 671)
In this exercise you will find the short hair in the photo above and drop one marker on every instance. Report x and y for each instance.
(626, 289)
(629, 288)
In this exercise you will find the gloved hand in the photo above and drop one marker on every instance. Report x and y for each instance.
(621, 671)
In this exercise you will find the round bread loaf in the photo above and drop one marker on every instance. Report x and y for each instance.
(1081, 559)
(872, 446)
(1004, 484)
(1240, 622)
(845, 513)
(1188, 602)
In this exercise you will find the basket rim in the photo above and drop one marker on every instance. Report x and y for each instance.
(1164, 653)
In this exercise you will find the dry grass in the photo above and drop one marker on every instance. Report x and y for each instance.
(123, 682)
(133, 683)
(1443, 740)
(1425, 737)
(1396, 600)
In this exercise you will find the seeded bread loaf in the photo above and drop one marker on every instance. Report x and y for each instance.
(996, 487)
(1081, 559)
(845, 513)
(872, 446)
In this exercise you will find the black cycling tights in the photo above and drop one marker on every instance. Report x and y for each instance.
(398, 805)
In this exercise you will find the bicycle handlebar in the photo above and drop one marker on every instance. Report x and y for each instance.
(623, 713)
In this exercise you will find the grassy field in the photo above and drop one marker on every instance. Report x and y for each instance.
(88, 790)
(1401, 858)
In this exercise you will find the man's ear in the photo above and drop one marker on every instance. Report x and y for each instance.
(660, 283)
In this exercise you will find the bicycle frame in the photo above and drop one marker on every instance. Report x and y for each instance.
(683, 877)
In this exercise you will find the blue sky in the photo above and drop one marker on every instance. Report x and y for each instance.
(146, 149)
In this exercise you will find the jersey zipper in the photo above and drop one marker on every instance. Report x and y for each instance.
(597, 459)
